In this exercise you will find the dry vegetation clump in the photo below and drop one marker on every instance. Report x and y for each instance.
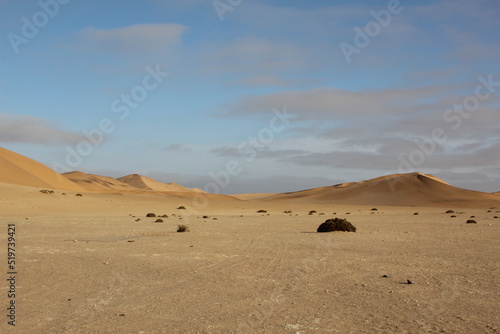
(159, 220)
(450, 211)
(262, 211)
(471, 221)
(46, 191)
(312, 212)
(182, 228)
(374, 209)
(336, 224)
(79, 195)
(151, 214)
(182, 207)
(287, 211)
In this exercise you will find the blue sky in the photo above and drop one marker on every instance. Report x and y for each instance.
(362, 90)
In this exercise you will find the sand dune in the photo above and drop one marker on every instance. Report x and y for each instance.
(398, 189)
(97, 183)
(18, 169)
(146, 183)
(412, 189)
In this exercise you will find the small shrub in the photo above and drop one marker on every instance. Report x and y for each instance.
(450, 211)
(45, 191)
(80, 195)
(182, 228)
(471, 221)
(64, 194)
(181, 207)
(374, 209)
(262, 211)
(287, 211)
(496, 217)
(415, 214)
(205, 217)
(159, 220)
(312, 212)
(336, 224)
(151, 215)
(453, 216)
(473, 216)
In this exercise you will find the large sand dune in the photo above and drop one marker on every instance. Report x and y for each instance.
(18, 169)
(411, 189)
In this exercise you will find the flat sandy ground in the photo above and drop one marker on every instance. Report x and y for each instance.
(89, 267)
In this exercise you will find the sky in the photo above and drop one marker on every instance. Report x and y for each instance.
(241, 96)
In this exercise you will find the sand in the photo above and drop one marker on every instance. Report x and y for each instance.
(85, 265)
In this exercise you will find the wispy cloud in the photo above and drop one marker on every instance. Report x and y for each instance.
(135, 39)
(34, 130)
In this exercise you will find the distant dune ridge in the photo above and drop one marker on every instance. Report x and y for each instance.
(411, 189)
(143, 182)
(397, 189)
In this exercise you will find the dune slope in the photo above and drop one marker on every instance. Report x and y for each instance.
(20, 170)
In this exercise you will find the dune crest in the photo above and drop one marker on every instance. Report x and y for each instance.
(397, 189)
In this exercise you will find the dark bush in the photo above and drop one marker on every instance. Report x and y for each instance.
(159, 220)
(262, 211)
(45, 191)
(471, 221)
(182, 228)
(312, 212)
(80, 195)
(374, 209)
(336, 224)
(151, 215)
(415, 214)
(181, 207)
(450, 211)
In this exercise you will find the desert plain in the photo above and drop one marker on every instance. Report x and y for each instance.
(96, 264)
